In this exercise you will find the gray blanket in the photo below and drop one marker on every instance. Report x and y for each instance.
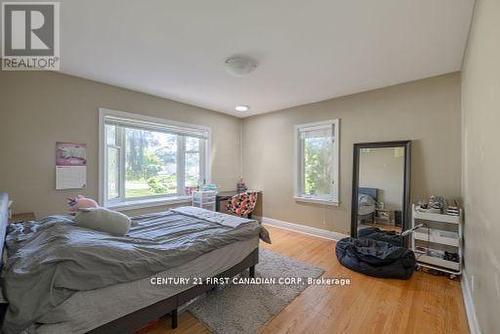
(51, 259)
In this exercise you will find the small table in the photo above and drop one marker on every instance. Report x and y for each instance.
(21, 217)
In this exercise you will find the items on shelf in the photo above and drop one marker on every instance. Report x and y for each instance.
(204, 187)
(439, 204)
(445, 255)
(454, 209)
(437, 239)
(450, 256)
(209, 187)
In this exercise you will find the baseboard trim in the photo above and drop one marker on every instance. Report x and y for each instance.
(469, 305)
(304, 229)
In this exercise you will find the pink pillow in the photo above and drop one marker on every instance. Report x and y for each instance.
(81, 202)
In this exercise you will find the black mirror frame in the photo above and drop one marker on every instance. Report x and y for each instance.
(406, 214)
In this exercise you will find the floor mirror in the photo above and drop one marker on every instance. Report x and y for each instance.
(381, 187)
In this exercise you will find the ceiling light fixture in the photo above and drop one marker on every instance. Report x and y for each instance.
(239, 66)
(242, 108)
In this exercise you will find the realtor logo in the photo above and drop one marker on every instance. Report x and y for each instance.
(30, 38)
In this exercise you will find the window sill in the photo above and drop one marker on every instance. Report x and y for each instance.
(148, 203)
(330, 202)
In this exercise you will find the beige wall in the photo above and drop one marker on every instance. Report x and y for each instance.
(383, 168)
(39, 108)
(481, 177)
(425, 111)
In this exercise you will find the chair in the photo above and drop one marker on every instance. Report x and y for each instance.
(242, 204)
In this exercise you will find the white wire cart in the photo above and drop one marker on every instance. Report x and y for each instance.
(438, 244)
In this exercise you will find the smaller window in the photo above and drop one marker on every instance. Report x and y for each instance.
(317, 162)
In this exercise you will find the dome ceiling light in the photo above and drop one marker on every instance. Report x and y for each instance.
(239, 66)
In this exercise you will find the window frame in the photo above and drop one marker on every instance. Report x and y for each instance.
(154, 123)
(299, 163)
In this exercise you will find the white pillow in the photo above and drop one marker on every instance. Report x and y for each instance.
(104, 220)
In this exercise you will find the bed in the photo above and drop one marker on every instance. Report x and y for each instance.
(129, 305)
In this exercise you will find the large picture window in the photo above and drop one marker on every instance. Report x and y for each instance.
(317, 162)
(148, 161)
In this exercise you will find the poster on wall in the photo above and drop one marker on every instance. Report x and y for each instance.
(71, 166)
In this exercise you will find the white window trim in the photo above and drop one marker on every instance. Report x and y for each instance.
(152, 201)
(335, 200)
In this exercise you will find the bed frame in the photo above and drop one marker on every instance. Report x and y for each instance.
(138, 319)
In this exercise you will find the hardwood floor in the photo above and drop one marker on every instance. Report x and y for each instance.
(424, 304)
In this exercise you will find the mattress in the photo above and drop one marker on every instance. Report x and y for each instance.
(86, 310)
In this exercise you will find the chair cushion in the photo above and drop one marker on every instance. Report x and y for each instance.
(242, 204)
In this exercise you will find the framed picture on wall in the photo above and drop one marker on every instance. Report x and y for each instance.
(71, 154)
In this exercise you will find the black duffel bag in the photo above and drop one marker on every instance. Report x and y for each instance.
(376, 258)
(380, 235)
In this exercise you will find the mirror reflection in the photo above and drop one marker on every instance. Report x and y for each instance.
(381, 188)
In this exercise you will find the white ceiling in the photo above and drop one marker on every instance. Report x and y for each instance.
(307, 50)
